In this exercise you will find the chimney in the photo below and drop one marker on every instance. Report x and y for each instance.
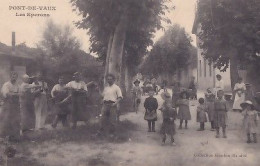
(13, 43)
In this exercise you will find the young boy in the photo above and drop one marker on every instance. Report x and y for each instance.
(201, 114)
(250, 120)
(210, 98)
(150, 105)
(220, 113)
(169, 115)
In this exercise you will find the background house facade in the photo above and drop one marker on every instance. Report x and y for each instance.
(206, 73)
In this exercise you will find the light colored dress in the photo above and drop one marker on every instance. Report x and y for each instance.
(250, 121)
(184, 109)
(40, 106)
(201, 113)
(220, 114)
(240, 89)
(26, 107)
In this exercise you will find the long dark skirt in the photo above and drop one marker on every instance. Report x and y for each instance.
(79, 111)
(27, 111)
(10, 117)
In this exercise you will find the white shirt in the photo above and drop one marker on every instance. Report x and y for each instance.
(44, 86)
(57, 87)
(77, 85)
(8, 87)
(219, 84)
(112, 93)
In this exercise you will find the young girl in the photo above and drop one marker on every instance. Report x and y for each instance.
(210, 97)
(250, 120)
(220, 114)
(201, 114)
(184, 110)
(150, 105)
(169, 115)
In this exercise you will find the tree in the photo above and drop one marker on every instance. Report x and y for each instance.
(120, 28)
(229, 33)
(61, 54)
(170, 53)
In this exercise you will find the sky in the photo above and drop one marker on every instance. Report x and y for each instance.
(29, 30)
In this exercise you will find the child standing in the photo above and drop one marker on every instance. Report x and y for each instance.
(201, 114)
(184, 110)
(150, 105)
(169, 115)
(220, 114)
(210, 97)
(250, 120)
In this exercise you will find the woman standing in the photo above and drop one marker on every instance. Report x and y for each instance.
(61, 97)
(239, 91)
(26, 105)
(10, 115)
(78, 90)
(40, 102)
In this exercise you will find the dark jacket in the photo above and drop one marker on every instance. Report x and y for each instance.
(150, 104)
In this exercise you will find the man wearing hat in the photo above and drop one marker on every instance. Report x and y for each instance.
(250, 120)
(78, 90)
(137, 93)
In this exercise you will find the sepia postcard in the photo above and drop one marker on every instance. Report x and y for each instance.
(129, 82)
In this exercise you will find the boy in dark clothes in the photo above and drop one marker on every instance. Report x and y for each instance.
(151, 105)
(169, 115)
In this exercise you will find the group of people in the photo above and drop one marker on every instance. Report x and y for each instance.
(25, 106)
(213, 108)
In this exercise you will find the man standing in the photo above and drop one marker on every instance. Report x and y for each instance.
(112, 95)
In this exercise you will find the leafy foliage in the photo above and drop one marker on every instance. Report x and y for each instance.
(170, 53)
(61, 54)
(230, 25)
(101, 16)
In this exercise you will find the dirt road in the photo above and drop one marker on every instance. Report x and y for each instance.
(141, 148)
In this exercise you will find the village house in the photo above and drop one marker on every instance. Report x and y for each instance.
(206, 73)
(15, 58)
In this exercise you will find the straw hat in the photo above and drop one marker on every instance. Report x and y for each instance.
(166, 95)
(247, 102)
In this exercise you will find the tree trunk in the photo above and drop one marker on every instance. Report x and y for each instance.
(128, 81)
(108, 56)
(122, 77)
(115, 59)
(233, 68)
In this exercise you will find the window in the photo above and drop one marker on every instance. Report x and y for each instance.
(205, 68)
(200, 68)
